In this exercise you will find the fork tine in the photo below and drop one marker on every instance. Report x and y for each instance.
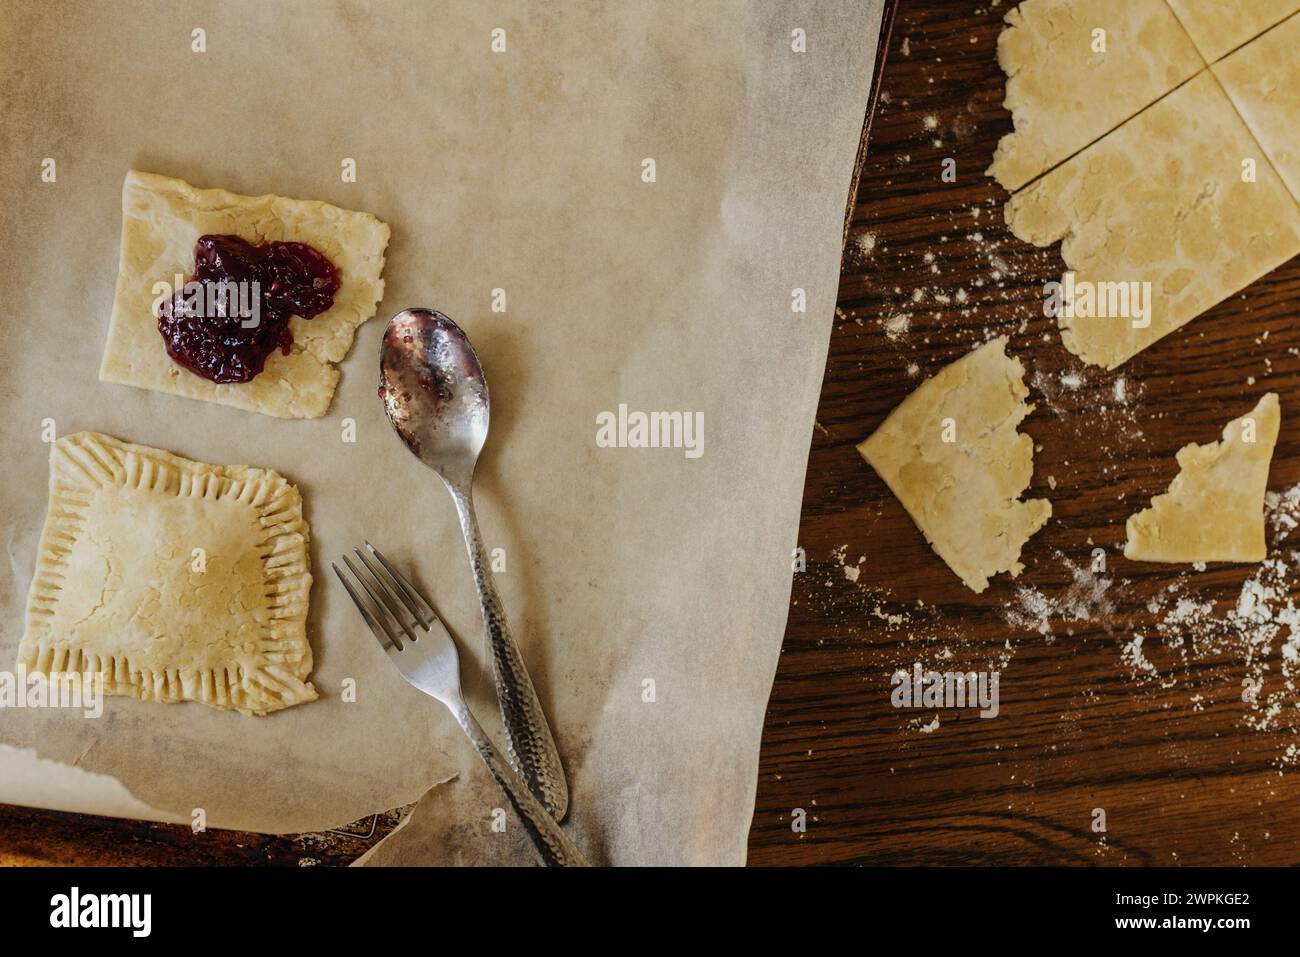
(379, 631)
(379, 604)
(395, 587)
(391, 603)
(394, 593)
(406, 588)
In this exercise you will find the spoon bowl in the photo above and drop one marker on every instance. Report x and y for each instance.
(434, 392)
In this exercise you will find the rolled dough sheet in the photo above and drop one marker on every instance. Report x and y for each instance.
(1219, 26)
(1062, 95)
(1161, 200)
(1214, 509)
(1263, 81)
(951, 454)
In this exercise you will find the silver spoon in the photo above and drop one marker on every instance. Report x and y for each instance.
(437, 399)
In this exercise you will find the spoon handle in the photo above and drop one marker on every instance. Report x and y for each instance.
(552, 843)
(529, 745)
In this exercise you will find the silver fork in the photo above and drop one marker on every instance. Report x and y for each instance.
(418, 643)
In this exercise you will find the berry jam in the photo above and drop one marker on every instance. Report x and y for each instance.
(235, 311)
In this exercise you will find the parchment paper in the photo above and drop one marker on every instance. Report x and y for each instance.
(519, 171)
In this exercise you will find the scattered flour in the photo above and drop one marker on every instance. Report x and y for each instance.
(897, 324)
(1131, 654)
(1253, 641)
(1259, 633)
(1085, 599)
(851, 572)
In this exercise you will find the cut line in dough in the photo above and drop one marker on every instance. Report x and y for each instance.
(1219, 26)
(174, 580)
(1161, 200)
(1063, 93)
(952, 455)
(1263, 81)
(1214, 509)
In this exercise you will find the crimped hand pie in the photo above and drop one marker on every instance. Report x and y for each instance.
(162, 218)
(175, 580)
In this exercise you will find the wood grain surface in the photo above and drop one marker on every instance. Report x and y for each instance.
(1168, 749)
(1163, 743)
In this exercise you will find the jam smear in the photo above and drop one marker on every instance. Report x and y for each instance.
(235, 310)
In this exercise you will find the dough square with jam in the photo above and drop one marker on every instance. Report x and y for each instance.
(174, 580)
(162, 218)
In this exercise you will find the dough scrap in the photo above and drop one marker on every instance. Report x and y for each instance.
(1263, 81)
(1218, 26)
(1062, 95)
(1161, 200)
(161, 220)
(1214, 509)
(964, 494)
(174, 580)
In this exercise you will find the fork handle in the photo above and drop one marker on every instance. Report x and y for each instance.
(529, 744)
(552, 844)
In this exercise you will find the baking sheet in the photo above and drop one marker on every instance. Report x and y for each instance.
(626, 569)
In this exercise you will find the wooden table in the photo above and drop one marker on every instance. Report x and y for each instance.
(1181, 779)
(1179, 776)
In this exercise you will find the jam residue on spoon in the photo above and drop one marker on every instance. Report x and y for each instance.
(235, 311)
